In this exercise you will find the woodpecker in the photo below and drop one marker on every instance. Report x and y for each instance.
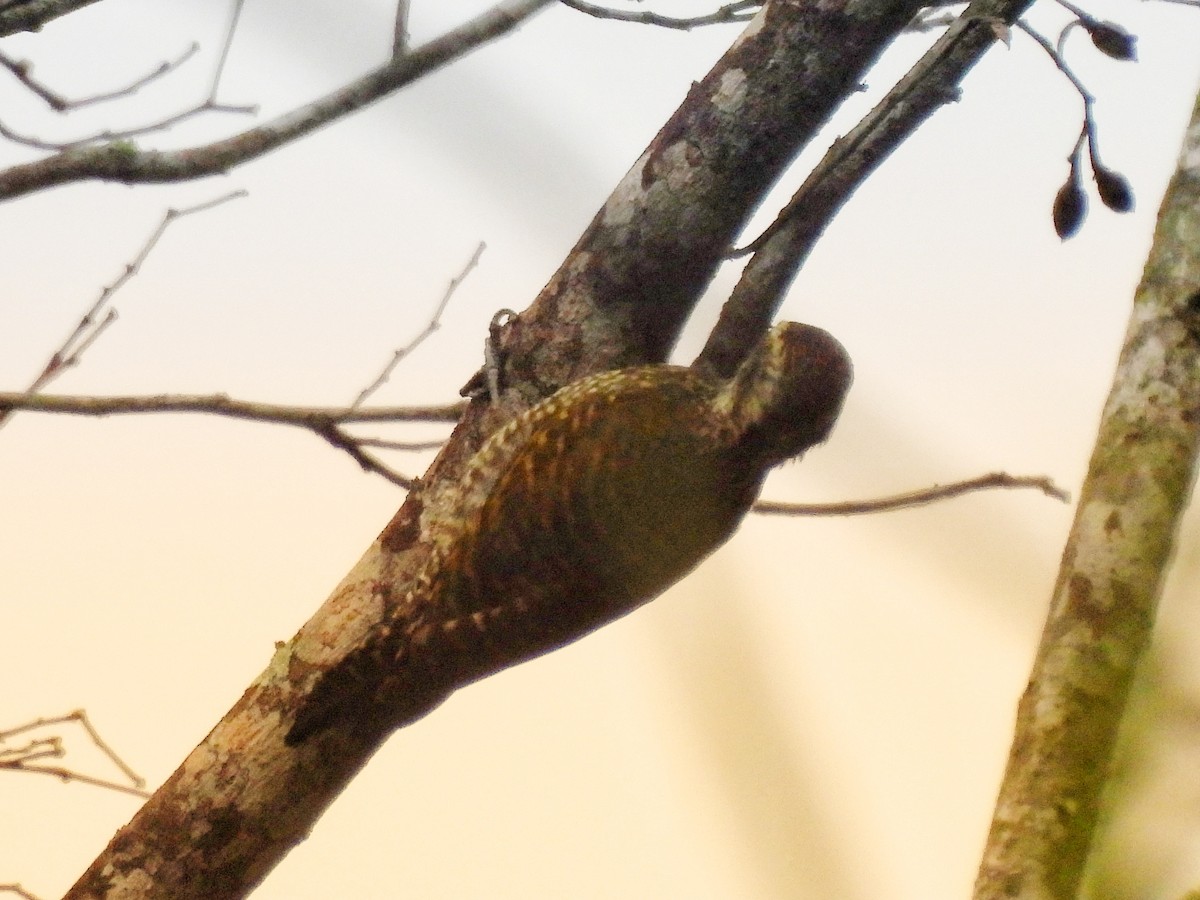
(580, 510)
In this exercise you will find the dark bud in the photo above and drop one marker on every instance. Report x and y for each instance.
(1114, 189)
(1112, 40)
(1070, 207)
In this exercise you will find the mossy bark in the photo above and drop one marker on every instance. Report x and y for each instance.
(1102, 610)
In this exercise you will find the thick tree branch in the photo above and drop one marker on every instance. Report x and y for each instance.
(1102, 610)
(655, 245)
(31, 15)
(122, 161)
(782, 249)
(620, 298)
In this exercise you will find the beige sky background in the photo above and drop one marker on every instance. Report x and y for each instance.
(821, 711)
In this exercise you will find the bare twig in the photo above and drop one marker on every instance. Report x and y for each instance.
(221, 405)
(915, 498)
(404, 446)
(109, 136)
(741, 11)
(22, 69)
(327, 422)
(122, 139)
(1070, 203)
(123, 162)
(400, 32)
(19, 891)
(1056, 56)
(64, 774)
(26, 757)
(342, 440)
(234, 17)
(435, 322)
(82, 717)
(91, 326)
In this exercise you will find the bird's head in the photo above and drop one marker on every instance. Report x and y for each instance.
(787, 394)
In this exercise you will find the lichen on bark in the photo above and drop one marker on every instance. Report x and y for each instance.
(1102, 609)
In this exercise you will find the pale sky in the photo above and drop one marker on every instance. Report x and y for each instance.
(821, 711)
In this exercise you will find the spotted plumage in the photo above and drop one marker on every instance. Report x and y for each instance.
(579, 511)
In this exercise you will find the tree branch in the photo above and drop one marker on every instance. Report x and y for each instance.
(221, 405)
(619, 298)
(1102, 609)
(27, 758)
(740, 11)
(124, 162)
(326, 422)
(915, 498)
(31, 15)
(22, 71)
(209, 104)
(782, 249)
(400, 28)
(92, 325)
(434, 323)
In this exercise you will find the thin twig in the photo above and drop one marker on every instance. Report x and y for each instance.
(234, 16)
(741, 11)
(22, 69)
(915, 498)
(435, 322)
(82, 717)
(25, 758)
(109, 136)
(222, 405)
(341, 440)
(403, 446)
(15, 888)
(1088, 99)
(326, 422)
(91, 326)
(400, 32)
(64, 774)
(128, 164)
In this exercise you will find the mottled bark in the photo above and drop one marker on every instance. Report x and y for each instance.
(31, 15)
(1102, 610)
(783, 248)
(243, 798)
